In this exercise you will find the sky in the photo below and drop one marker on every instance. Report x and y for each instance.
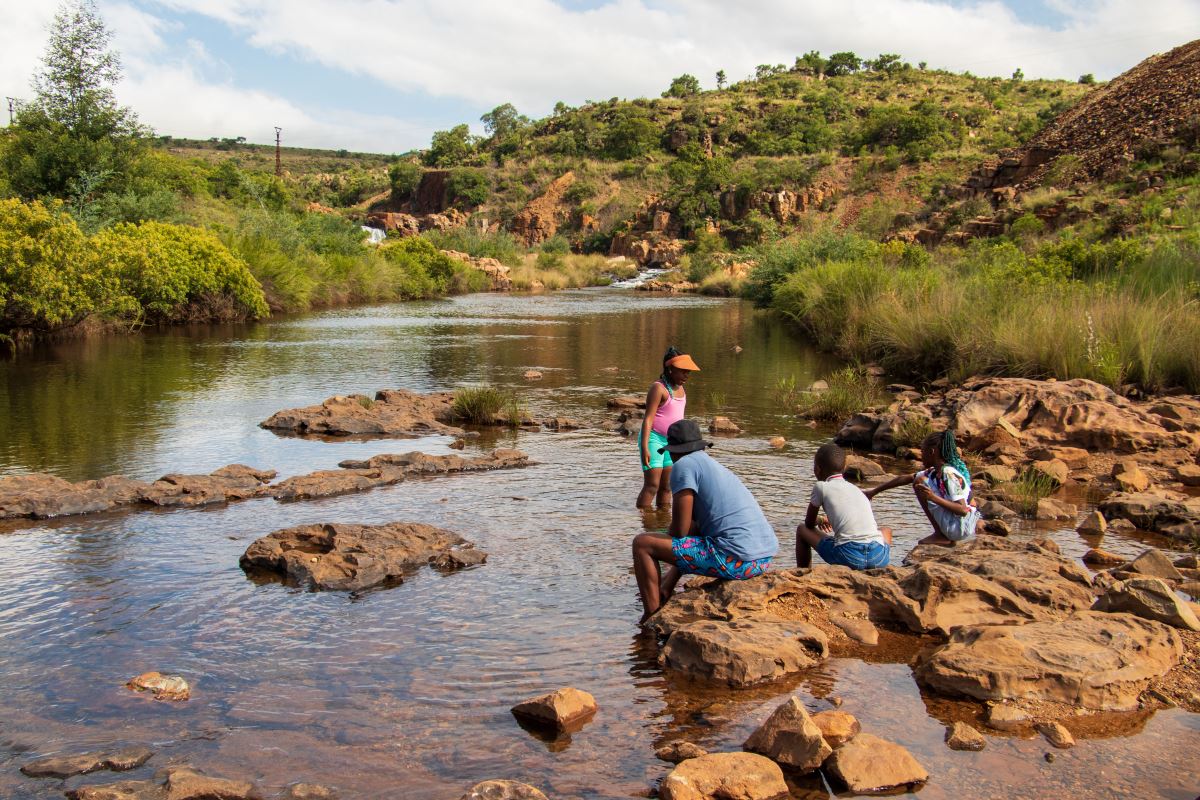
(382, 75)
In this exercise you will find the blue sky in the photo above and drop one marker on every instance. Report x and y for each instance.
(382, 75)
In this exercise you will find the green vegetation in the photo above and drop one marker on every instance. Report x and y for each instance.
(911, 431)
(481, 405)
(1024, 492)
(851, 390)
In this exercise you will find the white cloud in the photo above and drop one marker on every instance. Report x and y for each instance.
(535, 52)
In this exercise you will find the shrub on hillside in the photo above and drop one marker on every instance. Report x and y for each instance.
(467, 188)
(404, 177)
(683, 86)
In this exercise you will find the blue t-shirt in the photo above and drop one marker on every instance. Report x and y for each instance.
(724, 508)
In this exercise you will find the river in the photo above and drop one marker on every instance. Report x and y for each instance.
(405, 692)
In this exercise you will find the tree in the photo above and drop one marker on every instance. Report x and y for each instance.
(763, 71)
(811, 63)
(503, 121)
(73, 134)
(887, 62)
(405, 177)
(1087, 79)
(720, 79)
(1018, 74)
(684, 86)
(450, 148)
(843, 63)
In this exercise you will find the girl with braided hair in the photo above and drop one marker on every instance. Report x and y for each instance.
(943, 490)
(665, 404)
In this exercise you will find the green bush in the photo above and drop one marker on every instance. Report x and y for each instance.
(479, 243)
(404, 178)
(468, 187)
(481, 404)
(683, 86)
(850, 391)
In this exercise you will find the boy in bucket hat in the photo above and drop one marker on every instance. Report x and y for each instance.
(717, 527)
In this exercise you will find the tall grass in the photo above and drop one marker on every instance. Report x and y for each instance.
(570, 271)
(851, 390)
(1024, 492)
(474, 241)
(481, 405)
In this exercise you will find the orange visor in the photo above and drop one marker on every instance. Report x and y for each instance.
(683, 362)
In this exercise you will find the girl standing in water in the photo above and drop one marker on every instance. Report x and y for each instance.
(665, 404)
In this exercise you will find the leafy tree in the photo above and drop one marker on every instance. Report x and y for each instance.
(467, 187)
(73, 138)
(921, 65)
(843, 63)
(450, 148)
(720, 79)
(561, 108)
(1018, 74)
(630, 134)
(1087, 79)
(811, 63)
(763, 71)
(405, 177)
(503, 121)
(684, 86)
(887, 62)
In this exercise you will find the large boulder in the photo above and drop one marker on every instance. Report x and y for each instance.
(392, 412)
(1091, 660)
(744, 652)
(868, 764)
(790, 737)
(1174, 515)
(1149, 598)
(725, 776)
(342, 556)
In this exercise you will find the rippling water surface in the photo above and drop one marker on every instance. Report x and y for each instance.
(405, 692)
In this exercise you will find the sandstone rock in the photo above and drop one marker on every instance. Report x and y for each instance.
(961, 736)
(1102, 558)
(743, 652)
(837, 727)
(66, 766)
(308, 791)
(1049, 508)
(1007, 718)
(997, 474)
(1001, 434)
(1187, 562)
(1188, 474)
(42, 496)
(1149, 598)
(1093, 524)
(723, 425)
(860, 469)
(1055, 471)
(1120, 525)
(393, 412)
(1056, 735)
(952, 597)
(503, 790)
(1153, 564)
(233, 482)
(990, 509)
(1130, 477)
(563, 709)
(1191, 589)
(163, 687)
(1092, 660)
(348, 557)
(789, 737)
(870, 764)
(1075, 458)
(777, 442)
(1048, 544)
(539, 220)
(532, 375)
(184, 783)
(387, 469)
(860, 630)
(678, 751)
(725, 776)
(629, 401)
(997, 527)
(1177, 516)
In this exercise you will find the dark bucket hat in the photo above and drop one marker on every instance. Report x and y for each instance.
(684, 437)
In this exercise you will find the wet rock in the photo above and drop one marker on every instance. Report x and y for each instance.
(1047, 544)
(532, 375)
(42, 496)
(676, 752)
(563, 709)
(561, 424)
(1149, 598)
(1051, 509)
(725, 776)
(1187, 562)
(503, 790)
(308, 791)
(870, 764)
(1176, 516)
(1153, 564)
(163, 687)
(837, 727)
(233, 482)
(66, 766)
(1056, 735)
(181, 783)
(1102, 558)
(723, 425)
(1093, 524)
(990, 509)
(743, 652)
(961, 736)
(789, 737)
(458, 444)
(342, 556)
(388, 469)
(777, 442)
(858, 431)
(627, 401)
(1130, 477)
(458, 557)
(1007, 718)
(860, 630)
(859, 469)
(392, 412)
(1092, 660)
(997, 527)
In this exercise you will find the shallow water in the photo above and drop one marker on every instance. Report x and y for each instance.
(404, 692)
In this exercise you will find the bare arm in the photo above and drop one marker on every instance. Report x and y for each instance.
(810, 517)
(681, 514)
(926, 494)
(654, 398)
(900, 480)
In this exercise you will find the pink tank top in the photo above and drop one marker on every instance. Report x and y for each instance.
(669, 411)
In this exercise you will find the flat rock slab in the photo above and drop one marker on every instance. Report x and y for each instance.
(725, 776)
(744, 652)
(1177, 516)
(790, 737)
(389, 469)
(232, 482)
(341, 556)
(870, 764)
(66, 766)
(1092, 660)
(566, 709)
(180, 783)
(392, 412)
(503, 790)
(42, 496)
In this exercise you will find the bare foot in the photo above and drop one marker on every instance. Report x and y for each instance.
(646, 616)
(938, 539)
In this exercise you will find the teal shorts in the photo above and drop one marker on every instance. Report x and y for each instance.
(657, 460)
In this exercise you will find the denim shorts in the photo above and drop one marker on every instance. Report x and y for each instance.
(855, 555)
(696, 555)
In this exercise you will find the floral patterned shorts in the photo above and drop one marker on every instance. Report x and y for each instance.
(696, 555)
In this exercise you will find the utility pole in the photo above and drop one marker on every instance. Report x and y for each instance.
(12, 108)
(278, 163)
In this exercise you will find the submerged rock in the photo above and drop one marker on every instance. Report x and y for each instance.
(744, 652)
(724, 776)
(503, 790)
(790, 737)
(676, 752)
(66, 766)
(343, 556)
(163, 687)
(565, 709)
(388, 469)
(181, 783)
(723, 425)
(870, 764)
(961, 736)
(1091, 660)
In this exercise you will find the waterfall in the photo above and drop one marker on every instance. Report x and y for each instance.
(374, 235)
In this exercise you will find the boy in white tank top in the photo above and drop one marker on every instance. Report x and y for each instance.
(851, 538)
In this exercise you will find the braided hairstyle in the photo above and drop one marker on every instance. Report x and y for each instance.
(667, 356)
(943, 444)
